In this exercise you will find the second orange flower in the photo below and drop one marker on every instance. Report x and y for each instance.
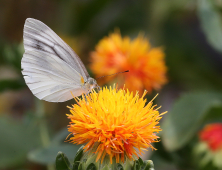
(115, 54)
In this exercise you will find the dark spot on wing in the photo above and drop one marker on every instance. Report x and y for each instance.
(39, 47)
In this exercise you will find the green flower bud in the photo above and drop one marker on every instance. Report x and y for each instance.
(87, 161)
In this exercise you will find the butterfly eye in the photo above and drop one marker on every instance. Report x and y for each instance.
(92, 81)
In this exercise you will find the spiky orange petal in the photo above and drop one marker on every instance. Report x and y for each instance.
(116, 120)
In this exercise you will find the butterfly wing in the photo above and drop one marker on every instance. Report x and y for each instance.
(51, 68)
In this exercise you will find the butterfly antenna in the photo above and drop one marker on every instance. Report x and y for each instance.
(113, 74)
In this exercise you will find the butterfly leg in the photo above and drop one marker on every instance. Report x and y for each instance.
(85, 96)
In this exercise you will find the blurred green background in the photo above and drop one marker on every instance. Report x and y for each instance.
(190, 31)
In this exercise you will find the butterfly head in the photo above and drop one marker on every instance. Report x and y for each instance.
(91, 84)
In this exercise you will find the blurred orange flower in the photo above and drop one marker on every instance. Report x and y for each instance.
(115, 54)
(212, 135)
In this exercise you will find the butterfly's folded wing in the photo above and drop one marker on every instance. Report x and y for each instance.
(51, 68)
(50, 78)
(38, 36)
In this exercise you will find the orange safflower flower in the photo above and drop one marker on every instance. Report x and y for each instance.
(115, 54)
(212, 135)
(114, 121)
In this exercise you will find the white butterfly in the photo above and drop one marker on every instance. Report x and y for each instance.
(51, 69)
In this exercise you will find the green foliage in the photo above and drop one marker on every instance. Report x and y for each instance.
(47, 155)
(217, 159)
(12, 55)
(91, 167)
(210, 18)
(148, 165)
(62, 162)
(143, 165)
(77, 158)
(17, 139)
(80, 163)
(60, 136)
(187, 116)
(205, 158)
(119, 167)
(11, 85)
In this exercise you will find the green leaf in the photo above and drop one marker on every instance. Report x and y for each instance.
(214, 114)
(77, 158)
(105, 168)
(119, 166)
(140, 161)
(80, 167)
(186, 117)
(62, 162)
(211, 23)
(11, 85)
(136, 165)
(148, 165)
(91, 167)
(76, 165)
(47, 155)
(16, 141)
(79, 154)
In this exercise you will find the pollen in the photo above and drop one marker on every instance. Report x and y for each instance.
(82, 80)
